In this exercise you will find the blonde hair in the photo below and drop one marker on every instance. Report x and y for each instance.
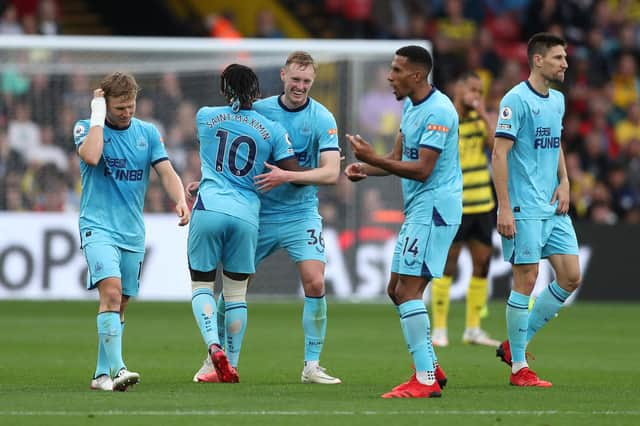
(301, 58)
(119, 85)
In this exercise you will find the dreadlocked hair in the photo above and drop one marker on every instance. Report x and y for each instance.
(239, 85)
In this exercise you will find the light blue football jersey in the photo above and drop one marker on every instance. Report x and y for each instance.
(113, 191)
(312, 129)
(233, 150)
(432, 123)
(534, 122)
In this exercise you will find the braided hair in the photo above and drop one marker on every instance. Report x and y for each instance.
(239, 85)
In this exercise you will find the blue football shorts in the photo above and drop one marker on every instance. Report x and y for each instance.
(421, 250)
(537, 239)
(216, 238)
(301, 238)
(106, 260)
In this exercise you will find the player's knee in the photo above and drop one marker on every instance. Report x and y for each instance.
(481, 268)
(403, 293)
(111, 298)
(391, 292)
(314, 287)
(234, 290)
(391, 287)
(124, 302)
(525, 281)
(111, 304)
(398, 294)
(573, 281)
(450, 268)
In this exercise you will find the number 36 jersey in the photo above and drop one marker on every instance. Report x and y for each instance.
(233, 149)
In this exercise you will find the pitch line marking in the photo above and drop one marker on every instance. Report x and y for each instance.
(323, 413)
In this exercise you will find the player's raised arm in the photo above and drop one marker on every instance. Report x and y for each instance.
(172, 184)
(91, 149)
(506, 223)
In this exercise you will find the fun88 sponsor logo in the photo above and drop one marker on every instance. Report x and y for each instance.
(116, 167)
(544, 139)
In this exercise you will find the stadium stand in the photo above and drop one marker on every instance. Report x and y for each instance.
(601, 136)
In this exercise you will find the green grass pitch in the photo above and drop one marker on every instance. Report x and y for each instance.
(47, 356)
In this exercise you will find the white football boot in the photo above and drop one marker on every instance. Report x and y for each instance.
(102, 382)
(477, 336)
(313, 373)
(124, 379)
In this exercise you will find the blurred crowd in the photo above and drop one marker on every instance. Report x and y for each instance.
(601, 134)
(34, 17)
(39, 169)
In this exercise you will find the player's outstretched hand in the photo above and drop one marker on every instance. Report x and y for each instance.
(361, 148)
(183, 212)
(191, 190)
(274, 177)
(354, 172)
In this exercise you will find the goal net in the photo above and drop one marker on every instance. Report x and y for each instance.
(47, 85)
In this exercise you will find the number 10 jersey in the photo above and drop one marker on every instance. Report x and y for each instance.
(233, 149)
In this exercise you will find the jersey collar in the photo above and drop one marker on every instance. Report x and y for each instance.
(535, 91)
(300, 108)
(431, 92)
(111, 126)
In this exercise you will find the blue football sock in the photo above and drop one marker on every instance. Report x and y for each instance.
(431, 348)
(314, 325)
(221, 331)
(414, 321)
(546, 306)
(110, 333)
(517, 320)
(204, 311)
(102, 364)
(235, 325)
